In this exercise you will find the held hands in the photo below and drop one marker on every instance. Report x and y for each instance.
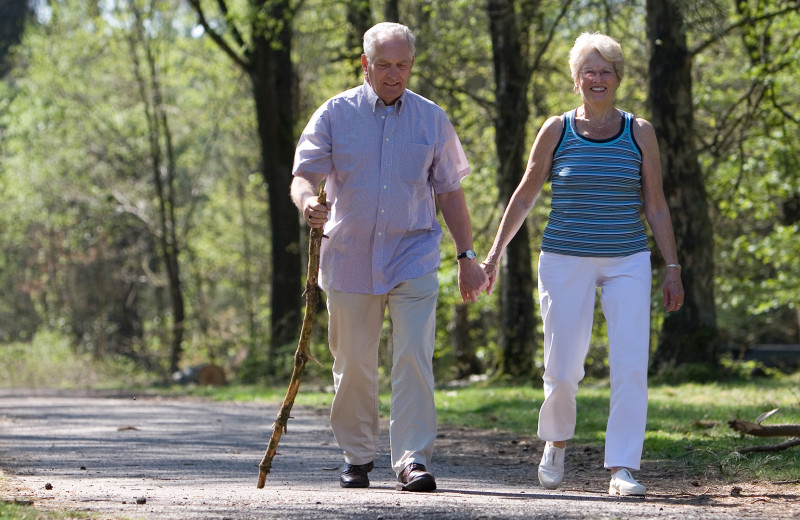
(472, 280)
(491, 271)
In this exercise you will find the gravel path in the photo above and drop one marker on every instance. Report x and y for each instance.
(196, 459)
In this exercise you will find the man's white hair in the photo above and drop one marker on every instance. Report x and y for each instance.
(385, 31)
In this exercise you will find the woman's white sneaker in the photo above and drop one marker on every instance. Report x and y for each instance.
(623, 484)
(551, 469)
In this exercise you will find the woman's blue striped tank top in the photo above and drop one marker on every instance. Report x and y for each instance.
(595, 208)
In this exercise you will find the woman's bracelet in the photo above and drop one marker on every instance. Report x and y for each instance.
(674, 266)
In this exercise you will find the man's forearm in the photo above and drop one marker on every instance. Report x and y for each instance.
(454, 210)
(472, 280)
(304, 186)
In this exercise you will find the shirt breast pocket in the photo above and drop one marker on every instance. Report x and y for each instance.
(414, 162)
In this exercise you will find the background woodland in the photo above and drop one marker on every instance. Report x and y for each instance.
(146, 150)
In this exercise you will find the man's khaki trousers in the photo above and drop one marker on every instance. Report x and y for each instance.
(355, 322)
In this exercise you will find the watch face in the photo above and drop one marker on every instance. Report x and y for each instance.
(469, 253)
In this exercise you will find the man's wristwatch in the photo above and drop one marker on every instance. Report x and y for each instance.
(469, 253)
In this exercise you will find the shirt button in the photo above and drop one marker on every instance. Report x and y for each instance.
(384, 186)
(387, 139)
(380, 234)
(383, 211)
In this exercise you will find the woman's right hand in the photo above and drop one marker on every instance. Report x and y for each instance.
(491, 272)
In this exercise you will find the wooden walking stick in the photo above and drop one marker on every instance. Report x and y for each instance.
(302, 354)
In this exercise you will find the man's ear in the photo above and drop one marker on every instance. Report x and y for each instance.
(364, 63)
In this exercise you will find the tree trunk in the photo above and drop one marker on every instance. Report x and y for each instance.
(359, 17)
(268, 62)
(391, 11)
(164, 171)
(467, 363)
(250, 289)
(689, 335)
(272, 75)
(12, 25)
(517, 323)
(172, 245)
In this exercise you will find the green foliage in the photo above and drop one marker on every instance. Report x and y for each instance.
(685, 372)
(751, 160)
(78, 227)
(323, 68)
(747, 370)
(50, 360)
(77, 165)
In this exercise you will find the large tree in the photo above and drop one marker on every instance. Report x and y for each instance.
(509, 52)
(690, 335)
(359, 18)
(163, 170)
(510, 25)
(266, 57)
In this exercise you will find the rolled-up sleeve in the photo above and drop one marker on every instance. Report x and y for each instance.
(313, 152)
(450, 165)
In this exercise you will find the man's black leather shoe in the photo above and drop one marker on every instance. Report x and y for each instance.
(415, 477)
(355, 475)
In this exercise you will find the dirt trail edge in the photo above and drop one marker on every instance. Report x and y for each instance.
(127, 456)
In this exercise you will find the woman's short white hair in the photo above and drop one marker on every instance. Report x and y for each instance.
(606, 46)
(386, 31)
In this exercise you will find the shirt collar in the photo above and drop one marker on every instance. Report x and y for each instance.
(373, 99)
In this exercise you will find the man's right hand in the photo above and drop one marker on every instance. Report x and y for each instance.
(471, 280)
(304, 196)
(314, 213)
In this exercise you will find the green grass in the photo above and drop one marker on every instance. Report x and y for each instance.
(688, 425)
(309, 394)
(11, 510)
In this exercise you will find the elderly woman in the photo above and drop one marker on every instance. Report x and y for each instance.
(604, 165)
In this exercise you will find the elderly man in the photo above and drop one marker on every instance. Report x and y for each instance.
(384, 152)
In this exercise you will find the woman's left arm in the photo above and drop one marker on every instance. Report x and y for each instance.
(656, 212)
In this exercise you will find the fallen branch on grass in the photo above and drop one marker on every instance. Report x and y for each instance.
(771, 447)
(758, 430)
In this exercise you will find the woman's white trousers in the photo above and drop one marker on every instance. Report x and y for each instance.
(567, 288)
